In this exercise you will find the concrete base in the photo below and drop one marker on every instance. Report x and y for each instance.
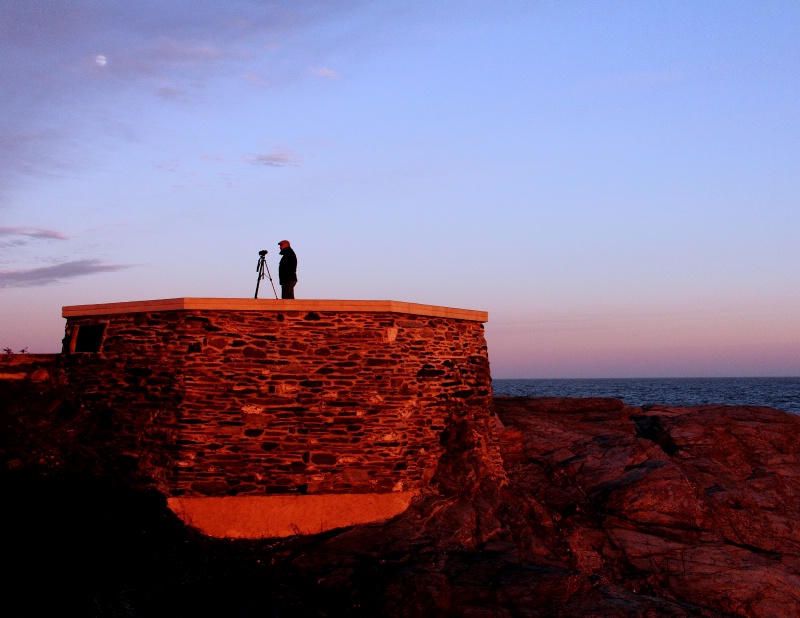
(258, 517)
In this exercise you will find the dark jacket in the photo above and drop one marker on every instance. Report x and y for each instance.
(287, 268)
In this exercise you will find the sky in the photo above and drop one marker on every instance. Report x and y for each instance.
(616, 183)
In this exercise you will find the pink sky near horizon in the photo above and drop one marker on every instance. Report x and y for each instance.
(648, 346)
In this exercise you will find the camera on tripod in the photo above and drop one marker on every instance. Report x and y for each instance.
(263, 252)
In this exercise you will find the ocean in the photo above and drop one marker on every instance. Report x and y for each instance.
(780, 393)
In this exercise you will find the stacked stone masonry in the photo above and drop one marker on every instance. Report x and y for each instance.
(227, 403)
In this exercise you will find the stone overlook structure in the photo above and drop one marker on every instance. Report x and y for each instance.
(266, 418)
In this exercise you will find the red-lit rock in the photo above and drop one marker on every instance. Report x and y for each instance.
(698, 505)
(608, 510)
(604, 510)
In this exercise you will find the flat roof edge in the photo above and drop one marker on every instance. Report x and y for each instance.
(252, 304)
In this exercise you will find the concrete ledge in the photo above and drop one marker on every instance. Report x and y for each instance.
(251, 304)
(258, 517)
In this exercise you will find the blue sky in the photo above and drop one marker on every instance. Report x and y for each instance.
(617, 183)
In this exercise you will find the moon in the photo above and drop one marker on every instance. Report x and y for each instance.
(100, 60)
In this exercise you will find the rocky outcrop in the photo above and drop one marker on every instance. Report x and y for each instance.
(605, 510)
(697, 505)
(608, 510)
(34, 368)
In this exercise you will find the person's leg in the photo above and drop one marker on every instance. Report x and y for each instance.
(287, 289)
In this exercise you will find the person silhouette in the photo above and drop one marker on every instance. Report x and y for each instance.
(287, 269)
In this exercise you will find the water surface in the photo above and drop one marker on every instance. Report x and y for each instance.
(779, 393)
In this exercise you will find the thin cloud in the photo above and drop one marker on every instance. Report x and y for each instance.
(80, 67)
(70, 62)
(172, 94)
(20, 236)
(47, 275)
(165, 56)
(169, 166)
(325, 72)
(256, 80)
(209, 157)
(33, 232)
(277, 158)
(185, 53)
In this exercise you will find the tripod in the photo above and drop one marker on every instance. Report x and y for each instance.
(262, 263)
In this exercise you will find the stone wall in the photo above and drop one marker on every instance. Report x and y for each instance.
(284, 399)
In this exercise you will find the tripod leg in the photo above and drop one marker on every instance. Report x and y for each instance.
(270, 280)
(260, 277)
